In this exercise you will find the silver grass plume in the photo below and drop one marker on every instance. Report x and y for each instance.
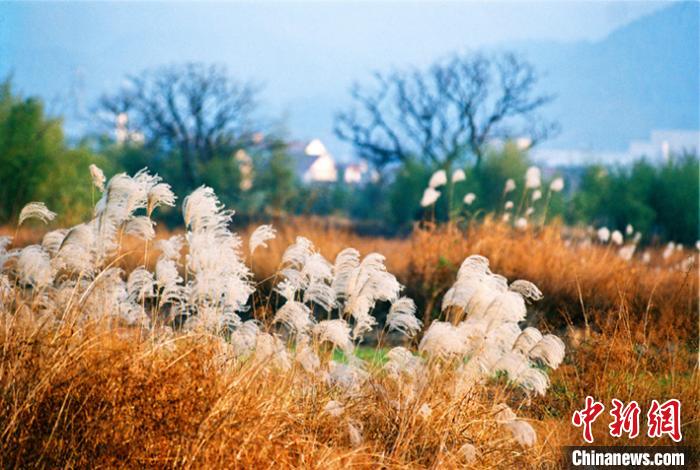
(140, 284)
(260, 236)
(402, 317)
(98, 177)
(52, 240)
(34, 266)
(336, 332)
(36, 210)
(295, 316)
(159, 194)
(140, 227)
(442, 340)
(345, 263)
(550, 350)
(170, 248)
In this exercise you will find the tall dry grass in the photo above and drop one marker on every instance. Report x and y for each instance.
(89, 395)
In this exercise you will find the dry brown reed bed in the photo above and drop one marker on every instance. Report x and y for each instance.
(92, 396)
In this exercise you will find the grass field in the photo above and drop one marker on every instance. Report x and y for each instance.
(86, 381)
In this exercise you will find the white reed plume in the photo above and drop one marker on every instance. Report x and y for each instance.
(52, 240)
(604, 234)
(527, 289)
(295, 316)
(402, 317)
(533, 380)
(159, 194)
(317, 268)
(425, 411)
(170, 248)
(627, 252)
(402, 361)
(349, 377)
(321, 294)
(244, 338)
(668, 251)
(140, 284)
(509, 186)
(508, 205)
(629, 230)
(529, 211)
(355, 435)
(306, 356)
(98, 177)
(345, 264)
(458, 176)
(468, 453)
(556, 185)
(430, 196)
(527, 340)
(505, 218)
(36, 210)
(521, 431)
(34, 267)
(369, 282)
(334, 408)
(617, 238)
(536, 195)
(297, 253)
(140, 227)
(439, 178)
(521, 223)
(270, 350)
(168, 281)
(442, 340)
(550, 350)
(260, 236)
(77, 250)
(336, 332)
(202, 211)
(533, 178)
(469, 198)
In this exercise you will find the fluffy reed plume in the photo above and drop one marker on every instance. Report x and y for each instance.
(533, 178)
(469, 198)
(260, 236)
(557, 185)
(35, 210)
(509, 186)
(402, 317)
(98, 177)
(458, 176)
(430, 197)
(617, 238)
(439, 178)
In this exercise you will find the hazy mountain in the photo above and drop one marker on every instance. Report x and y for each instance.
(643, 76)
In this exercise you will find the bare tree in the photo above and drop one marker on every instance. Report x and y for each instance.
(194, 110)
(447, 113)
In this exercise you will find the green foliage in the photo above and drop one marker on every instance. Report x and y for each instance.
(36, 164)
(660, 201)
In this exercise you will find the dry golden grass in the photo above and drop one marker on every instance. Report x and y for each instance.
(90, 396)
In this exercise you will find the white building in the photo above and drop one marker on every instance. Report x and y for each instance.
(664, 143)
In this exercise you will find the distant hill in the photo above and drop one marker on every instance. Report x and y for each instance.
(643, 76)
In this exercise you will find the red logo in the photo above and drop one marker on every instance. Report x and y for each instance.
(625, 419)
(586, 416)
(665, 419)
